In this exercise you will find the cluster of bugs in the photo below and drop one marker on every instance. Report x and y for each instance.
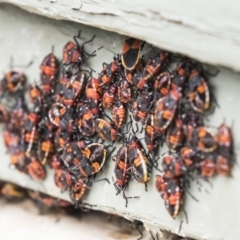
(13, 193)
(76, 119)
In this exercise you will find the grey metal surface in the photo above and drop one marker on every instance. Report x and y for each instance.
(27, 37)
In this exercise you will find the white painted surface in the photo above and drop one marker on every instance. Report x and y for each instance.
(206, 30)
(215, 217)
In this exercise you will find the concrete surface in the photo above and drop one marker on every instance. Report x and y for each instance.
(29, 37)
(206, 30)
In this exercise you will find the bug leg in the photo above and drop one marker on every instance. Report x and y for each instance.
(138, 224)
(180, 227)
(99, 180)
(126, 198)
(117, 188)
(185, 215)
(146, 187)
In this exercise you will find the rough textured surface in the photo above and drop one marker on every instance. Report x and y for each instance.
(206, 30)
(29, 37)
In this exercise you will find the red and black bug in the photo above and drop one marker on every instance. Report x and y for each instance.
(225, 142)
(63, 179)
(202, 139)
(30, 133)
(78, 191)
(49, 70)
(72, 154)
(74, 54)
(165, 110)
(109, 96)
(46, 146)
(207, 167)
(173, 167)
(13, 82)
(107, 74)
(60, 116)
(55, 162)
(61, 138)
(189, 156)
(175, 134)
(123, 176)
(181, 74)
(124, 91)
(153, 66)
(152, 138)
(140, 107)
(94, 158)
(36, 170)
(223, 166)
(85, 120)
(93, 94)
(72, 88)
(198, 94)
(173, 197)
(18, 115)
(171, 190)
(131, 52)
(36, 95)
(162, 84)
(141, 164)
(107, 131)
(119, 114)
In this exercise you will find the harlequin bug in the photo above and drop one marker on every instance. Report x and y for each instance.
(188, 156)
(141, 164)
(36, 95)
(18, 115)
(72, 154)
(12, 82)
(36, 170)
(49, 70)
(207, 167)
(4, 115)
(122, 175)
(223, 166)
(46, 146)
(78, 191)
(173, 167)
(225, 142)
(152, 138)
(173, 198)
(72, 88)
(109, 96)
(162, 85)
(131, 52)
(124, 91)
(107, 131)
(93, 94)
(30, 134)
(165, 109)
(140, 108)
(12, 192)
(161, 184)
(94, 157)
(202, 138)
(175, 134)
(119, 114)
(63, 179)
(153, 67)
(74, 54)
(198, 94)
(85, 120)
(61, 138)
(60, 116)
(108, 72)
(181, 73)
(55, 162)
